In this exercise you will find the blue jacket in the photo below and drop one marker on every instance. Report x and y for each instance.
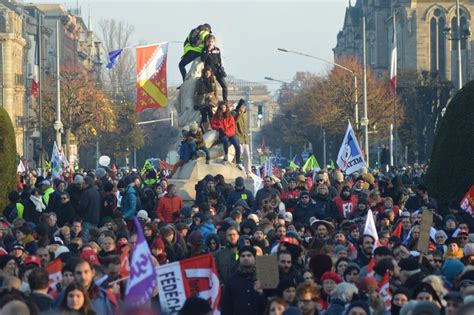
(206, 229)
(129, 203)
(101, 303)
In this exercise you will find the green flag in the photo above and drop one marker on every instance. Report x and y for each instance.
(311, 164)
(332, 166)
(293, 165)
(147, 166)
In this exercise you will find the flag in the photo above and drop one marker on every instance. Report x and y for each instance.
(384, 290)
(125, 262)
(196, 276)
(35, 76)
(147, 166)
(311, 164)
(56, 161)
(332, 165)
(370, 267)
(54, 269)
(350, 158)
(257, 183)
(393, 58)
(113, 56)
(398, 231)
(267, 167)
(467, 203)
(151, 76)
(370, 228)
(293, 165)
(264, 146)
(143, 276)
(20, 168)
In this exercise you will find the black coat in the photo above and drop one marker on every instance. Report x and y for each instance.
(302, 213)
(65, 213)
(240, 296)
(89, 205)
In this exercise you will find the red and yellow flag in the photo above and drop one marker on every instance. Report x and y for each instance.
(151, 76)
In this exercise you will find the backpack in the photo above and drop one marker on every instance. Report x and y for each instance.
(193, 37)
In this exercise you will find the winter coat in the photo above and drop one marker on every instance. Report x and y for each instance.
(237, 194)
(175, 250)
(206, 94)
(129, 203)
(206, 229)
(75, 194)
(290, 198)
(303, 212)
(89, 205)
(327, 208)
(225, 124)
(65, 213)
(43, 301)
(336, 307)
(264, 193)
(103, 301)
(240, 296)
(167, 206)
(241, 119)
(226, 263)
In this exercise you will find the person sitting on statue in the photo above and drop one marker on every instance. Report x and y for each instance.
(193, 46)
(187, 151)
(197, 135)
(224, 123)
(211, 56)
(206, 97)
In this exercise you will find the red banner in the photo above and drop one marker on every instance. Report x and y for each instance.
(196, 276)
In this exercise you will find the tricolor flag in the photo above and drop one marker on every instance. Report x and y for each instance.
(113, 56)
(56, 161)
(350, 158)
(151, 76)
(35, 76)
(393, 58)
(196, 276)
(142, 281)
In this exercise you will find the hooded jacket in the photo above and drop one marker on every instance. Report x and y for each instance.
(303, 212)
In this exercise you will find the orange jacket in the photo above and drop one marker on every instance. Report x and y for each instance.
(227, 125)
(167, 206)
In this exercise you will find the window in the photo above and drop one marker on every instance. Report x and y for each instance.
(437, 43)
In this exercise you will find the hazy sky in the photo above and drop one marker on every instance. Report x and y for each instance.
(248, 32)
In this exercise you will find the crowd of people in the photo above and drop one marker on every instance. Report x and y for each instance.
(313, 223)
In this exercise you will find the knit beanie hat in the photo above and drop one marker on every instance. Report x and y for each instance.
(358, 303)
(451, 268)
(249, 249)
(330, 275)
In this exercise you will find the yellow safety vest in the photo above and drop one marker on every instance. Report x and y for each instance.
(20, 208)
(202, 40)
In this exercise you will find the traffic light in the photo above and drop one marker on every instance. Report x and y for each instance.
(260, 112)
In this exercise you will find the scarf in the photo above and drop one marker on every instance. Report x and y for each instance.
(38, 202)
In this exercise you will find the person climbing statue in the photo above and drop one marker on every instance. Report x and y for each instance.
(193, 46)
(206, 97)
(211, 56)
(224, 123)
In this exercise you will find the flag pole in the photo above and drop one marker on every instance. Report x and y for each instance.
(395, 151)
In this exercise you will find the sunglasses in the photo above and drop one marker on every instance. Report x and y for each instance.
(304, 197)
(462, 238)
(439, 261)
(63, 198)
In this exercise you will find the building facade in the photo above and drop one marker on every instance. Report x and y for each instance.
(427, 36)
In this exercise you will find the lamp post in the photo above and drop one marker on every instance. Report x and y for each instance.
(461, 34)
(356, 96)
(58, 125)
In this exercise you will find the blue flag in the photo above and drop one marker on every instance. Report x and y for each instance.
(113, 56)
(297, 159)
(350, 158)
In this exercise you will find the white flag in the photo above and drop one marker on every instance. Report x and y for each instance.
(56, 162)
(370, 228)
(20, 168)
(350, 158)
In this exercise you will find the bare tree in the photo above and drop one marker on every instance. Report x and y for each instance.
(115, 35)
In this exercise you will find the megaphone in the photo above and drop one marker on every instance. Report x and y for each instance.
(104, 160)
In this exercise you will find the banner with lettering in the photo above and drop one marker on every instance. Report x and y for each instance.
(196, 276)
(142, 281)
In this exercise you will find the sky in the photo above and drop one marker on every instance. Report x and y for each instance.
(248, 32)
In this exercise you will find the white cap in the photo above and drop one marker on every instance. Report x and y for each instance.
(288, 217)
(253, 217)
(142, 214)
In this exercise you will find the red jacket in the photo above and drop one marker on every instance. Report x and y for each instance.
(167, 206)
(346, 208)
(227, 125)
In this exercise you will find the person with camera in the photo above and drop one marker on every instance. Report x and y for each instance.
(211, 56)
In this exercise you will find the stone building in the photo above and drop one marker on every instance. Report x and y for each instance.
(12, 79)
(426, 35)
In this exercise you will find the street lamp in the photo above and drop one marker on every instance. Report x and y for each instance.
(464, 34)
(356, 96)
(276, 80)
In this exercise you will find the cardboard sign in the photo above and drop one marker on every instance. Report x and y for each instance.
(425, 227)
(267, 271)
